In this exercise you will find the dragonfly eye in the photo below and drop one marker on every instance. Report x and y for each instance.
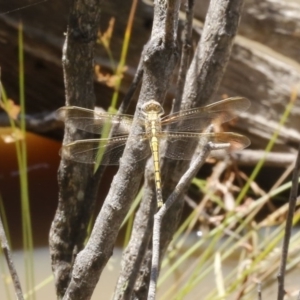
(152, 106)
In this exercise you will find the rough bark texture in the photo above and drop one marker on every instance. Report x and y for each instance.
(203, 78)
(69, 227)
(134, 254)
(159, 61)
(207, 66)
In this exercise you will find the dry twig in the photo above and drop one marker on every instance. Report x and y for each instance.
(175, 196)
(10, 263)
(288, 228)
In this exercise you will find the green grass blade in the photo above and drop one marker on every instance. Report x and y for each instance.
(22, 161)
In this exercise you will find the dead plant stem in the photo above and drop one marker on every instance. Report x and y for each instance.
(288, 228)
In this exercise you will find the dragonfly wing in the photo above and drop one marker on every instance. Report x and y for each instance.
(181, 146)
(94, 122)
(198, 119)
(100, 151)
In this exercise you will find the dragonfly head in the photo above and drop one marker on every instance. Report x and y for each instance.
(152, 106)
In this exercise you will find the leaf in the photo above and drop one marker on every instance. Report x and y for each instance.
(10, 108)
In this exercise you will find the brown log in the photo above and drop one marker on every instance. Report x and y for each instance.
(275, 24)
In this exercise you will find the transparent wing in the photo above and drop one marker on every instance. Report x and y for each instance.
(92, 121)
(183, 143)
(102, 151)
(198, 119)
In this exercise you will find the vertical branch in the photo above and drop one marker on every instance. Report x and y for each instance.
(171, 21)
(158, 63)
(203, 78)
(204, 75)
(160, 54)
(185, 53)
(159, 57)
(288, 228)
(10, 263)
(133, 255)
(69, 227)
(132, 89)
(175, 196)
(212, 52)
(259, 297)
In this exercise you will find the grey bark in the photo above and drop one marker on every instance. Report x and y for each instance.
(175, 196)
(160, 57)
(69, 227)
(203, 77)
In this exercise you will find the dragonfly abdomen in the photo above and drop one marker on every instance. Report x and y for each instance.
(154, 145)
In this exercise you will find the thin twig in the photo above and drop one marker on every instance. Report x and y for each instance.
(185, 55)
(259, 291)
(10, 263)
(212, 187)
(171, 9)
(249, 157)
(288, 228)
(133, 87)
(40, 123)
(5, 246)
(176, 194)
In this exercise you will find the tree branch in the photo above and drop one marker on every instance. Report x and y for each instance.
(38, 123)
(288, 228)
(159, 62)
(185, 55)
(132, 89)
(212, 52)
(175, 196)
(10, 263)
(203, 78)
(69, 227)
(134, 254)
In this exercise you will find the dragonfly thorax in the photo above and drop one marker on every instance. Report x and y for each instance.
(152, 107)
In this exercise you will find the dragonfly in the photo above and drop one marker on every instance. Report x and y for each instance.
(181, 129)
